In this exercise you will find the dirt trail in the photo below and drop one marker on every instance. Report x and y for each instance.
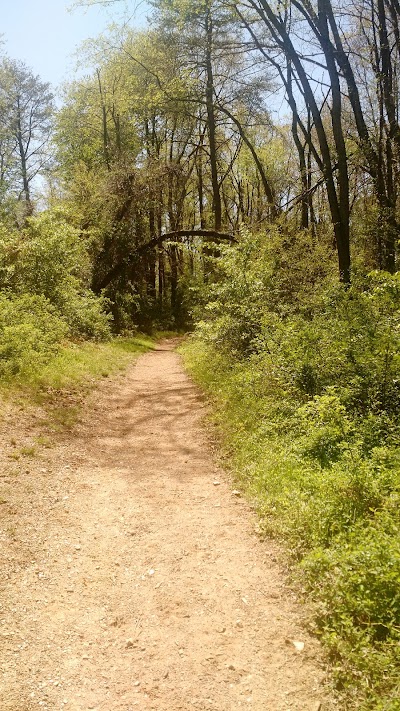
(134, 577)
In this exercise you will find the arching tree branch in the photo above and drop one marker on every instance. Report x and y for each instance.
(129, 259)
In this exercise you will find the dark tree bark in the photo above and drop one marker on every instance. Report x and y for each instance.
(106, 142)
(211, 123)
(337, 197)
(23, 162)
(200, 181)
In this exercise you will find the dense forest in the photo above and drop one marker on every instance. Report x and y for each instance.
(233, 170)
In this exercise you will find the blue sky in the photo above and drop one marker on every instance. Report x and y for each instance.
(44, 35)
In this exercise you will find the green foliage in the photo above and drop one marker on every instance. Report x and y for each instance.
(265, 277)
(359, 609)
(44, 294)
(49, 258)
(304, 377)
(30, 333)
(325, 426)
(132, 143)
(77, 365)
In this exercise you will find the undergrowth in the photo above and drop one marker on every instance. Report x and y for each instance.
(305, 385)
(77, 364)
(60, 384)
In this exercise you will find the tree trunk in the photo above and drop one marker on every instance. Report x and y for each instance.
(24, 168)
(211, 124)
(200, 184)
(104, 123)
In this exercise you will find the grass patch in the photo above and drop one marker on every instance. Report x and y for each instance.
(60, 384)
(28, 451)
(78, 365)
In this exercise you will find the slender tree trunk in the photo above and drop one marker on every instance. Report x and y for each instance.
(339, 213)
(323, 156)
(211, 123)
(343, 191)
(268, 190)
(152, 278)
(311, 210)
(174, 279)
(301, 152)
(200, 183)
(117, 126)
(104, 123)
(24, 168)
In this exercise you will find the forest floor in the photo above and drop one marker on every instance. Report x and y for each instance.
(132, 575)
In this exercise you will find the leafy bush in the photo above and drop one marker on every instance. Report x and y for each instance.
(359, 610)
(256, 283)
(305, 381)
(30, 333)
(50, 258)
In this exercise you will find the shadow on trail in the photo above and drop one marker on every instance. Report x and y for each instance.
(153, 428)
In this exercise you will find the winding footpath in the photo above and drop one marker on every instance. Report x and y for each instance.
(135, 578)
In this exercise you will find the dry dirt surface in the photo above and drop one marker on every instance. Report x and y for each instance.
(132, 575)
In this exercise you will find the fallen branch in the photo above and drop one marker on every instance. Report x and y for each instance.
(129, 259)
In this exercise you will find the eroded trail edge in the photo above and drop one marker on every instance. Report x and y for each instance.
(134, 578)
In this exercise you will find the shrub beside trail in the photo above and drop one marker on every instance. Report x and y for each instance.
(305, 380)
(45, 299)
